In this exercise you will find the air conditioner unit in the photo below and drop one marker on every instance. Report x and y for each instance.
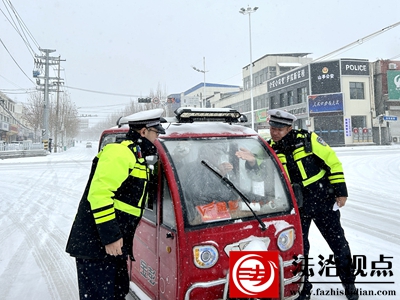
(396, 139)
(392, 66)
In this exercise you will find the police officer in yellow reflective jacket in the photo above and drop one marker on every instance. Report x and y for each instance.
(314, 169)
(112, 205)
(316, 175)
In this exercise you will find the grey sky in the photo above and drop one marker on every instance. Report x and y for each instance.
(132, 47)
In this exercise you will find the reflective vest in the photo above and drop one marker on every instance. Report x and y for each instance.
(112, 203)
(309, 160)
(119, 182)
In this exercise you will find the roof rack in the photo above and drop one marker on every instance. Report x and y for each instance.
(190, 115)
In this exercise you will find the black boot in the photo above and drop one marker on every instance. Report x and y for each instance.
(306, 292)
(351, 291)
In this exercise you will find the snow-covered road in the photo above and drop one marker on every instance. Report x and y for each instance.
(39, 197)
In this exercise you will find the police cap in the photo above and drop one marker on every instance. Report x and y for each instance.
(146, 118)
(279, 118)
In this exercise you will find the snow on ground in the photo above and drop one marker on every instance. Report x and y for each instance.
(370, 217)
(39, 197)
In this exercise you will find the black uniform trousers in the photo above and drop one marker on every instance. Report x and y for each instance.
(328, 223)
(105, 279)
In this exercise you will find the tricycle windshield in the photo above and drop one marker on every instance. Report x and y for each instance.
(207, 198)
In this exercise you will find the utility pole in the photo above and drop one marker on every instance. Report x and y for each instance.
(58, 82)
(45, 60)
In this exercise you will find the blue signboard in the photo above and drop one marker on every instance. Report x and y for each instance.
(325, 103)
(390, 118)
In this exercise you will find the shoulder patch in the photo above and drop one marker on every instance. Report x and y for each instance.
(321, 141)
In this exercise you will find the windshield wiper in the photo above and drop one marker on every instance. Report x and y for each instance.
(232, 185)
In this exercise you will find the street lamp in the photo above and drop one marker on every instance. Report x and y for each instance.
(249, 11)
(203, 98)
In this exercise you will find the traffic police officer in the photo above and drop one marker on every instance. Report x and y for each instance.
(316, 175)
(112, 205)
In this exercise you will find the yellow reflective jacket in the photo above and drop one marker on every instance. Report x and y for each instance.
(116, 173)
(311, 163)
(112, 203)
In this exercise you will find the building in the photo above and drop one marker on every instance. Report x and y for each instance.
(8, 123)
(201, 95)
(265, 68)
(333, 98)
(12, 126)
(386, 74)
(5, 105)
(347, 101)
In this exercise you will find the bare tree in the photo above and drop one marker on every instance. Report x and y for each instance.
(68, 116)
(94, 132)
(32, 112)
(66, 122)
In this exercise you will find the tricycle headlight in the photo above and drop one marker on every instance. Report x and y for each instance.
(286, 239)
(205, 256)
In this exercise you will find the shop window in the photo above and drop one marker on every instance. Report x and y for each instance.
(330, 129)
(272, 72)
(358, 121)
(246, 105)
(246, 83)
(258, 103)
(290, 98)
(357, 90)
(264, 102)
(282, 100)
(302, 95)
(284, 69)
(256, 80)
(273, 103)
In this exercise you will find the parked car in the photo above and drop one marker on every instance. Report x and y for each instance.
(88, 144)
(188, 230)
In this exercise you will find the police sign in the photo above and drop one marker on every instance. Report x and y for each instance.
(351, 67)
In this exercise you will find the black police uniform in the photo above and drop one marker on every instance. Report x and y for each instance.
(314, 167)
(111, 207)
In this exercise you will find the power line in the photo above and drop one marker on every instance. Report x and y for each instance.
(21, 27)
(17, 91)
(105, 106)
(9, 81)
(394, 57)
(223, 81)
(358, 42)
(16, 62)
(24, 25)
(14, 25)
(100, 92)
